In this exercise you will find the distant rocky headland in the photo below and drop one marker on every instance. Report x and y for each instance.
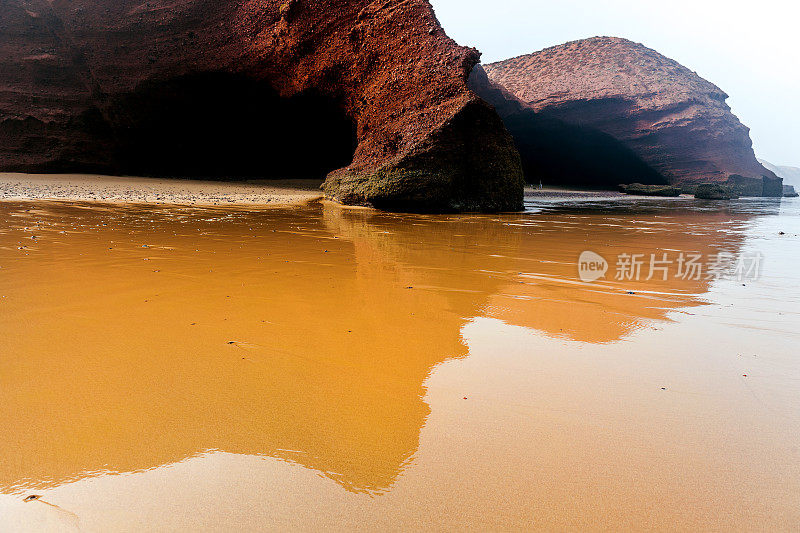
(374, 97)
(790, 175)
(674, 121)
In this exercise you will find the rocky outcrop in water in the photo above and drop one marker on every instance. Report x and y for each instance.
(715, 191)
(674, 120)
(639, 189)
(373, 94)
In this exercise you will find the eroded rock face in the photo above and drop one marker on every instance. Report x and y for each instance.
(674, 120)
(373, 91)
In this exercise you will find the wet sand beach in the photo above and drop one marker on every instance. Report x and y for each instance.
(311, 367)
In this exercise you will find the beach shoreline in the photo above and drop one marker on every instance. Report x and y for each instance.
(180, 191)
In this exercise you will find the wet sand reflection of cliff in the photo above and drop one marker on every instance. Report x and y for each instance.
(262, 342)
(523, 268)
(138, 337)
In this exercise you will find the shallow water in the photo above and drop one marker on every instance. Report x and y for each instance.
(179, 368)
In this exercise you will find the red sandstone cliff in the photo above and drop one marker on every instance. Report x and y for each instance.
(254, 88)
(554, 151)
(674, 120)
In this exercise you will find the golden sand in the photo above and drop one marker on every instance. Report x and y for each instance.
(128, 189)
(176, 368)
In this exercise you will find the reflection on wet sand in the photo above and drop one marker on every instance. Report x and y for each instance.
(546, 297)
(523, 269)
(149, 340)
(138, 337)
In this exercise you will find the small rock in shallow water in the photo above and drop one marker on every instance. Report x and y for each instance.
(715, 191)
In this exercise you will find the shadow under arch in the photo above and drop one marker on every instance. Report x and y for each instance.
(227, 126)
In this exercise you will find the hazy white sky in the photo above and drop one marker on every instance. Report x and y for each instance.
(749, 49)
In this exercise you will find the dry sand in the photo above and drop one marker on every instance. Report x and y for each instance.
(97, 188)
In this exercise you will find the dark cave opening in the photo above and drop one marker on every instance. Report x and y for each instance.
(565, 151)
(559, 153)
(228, 127)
